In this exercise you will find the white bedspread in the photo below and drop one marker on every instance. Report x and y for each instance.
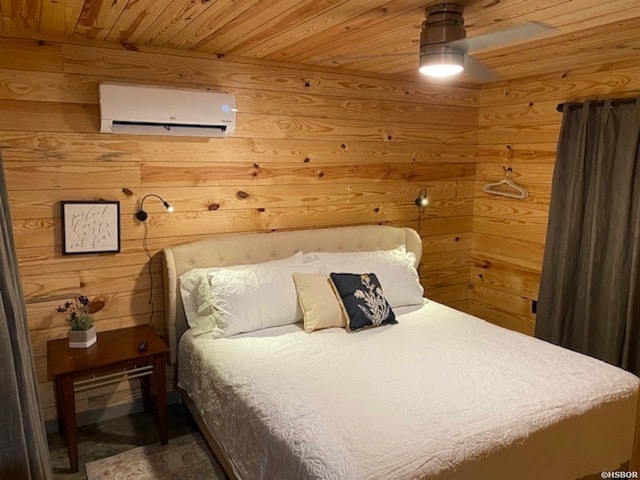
(440, 395)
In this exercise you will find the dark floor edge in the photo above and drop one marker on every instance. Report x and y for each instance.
(108, 413)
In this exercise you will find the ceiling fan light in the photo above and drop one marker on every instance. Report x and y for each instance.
(441, 70)
(441, 64)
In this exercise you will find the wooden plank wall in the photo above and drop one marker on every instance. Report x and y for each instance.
(519, 128)
(313, 149)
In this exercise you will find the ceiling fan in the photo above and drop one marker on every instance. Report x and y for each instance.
(445, 48)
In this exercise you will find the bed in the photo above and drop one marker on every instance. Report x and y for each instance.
(440, 395)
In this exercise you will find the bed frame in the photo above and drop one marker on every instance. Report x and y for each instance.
(225, 250)
(237, 249)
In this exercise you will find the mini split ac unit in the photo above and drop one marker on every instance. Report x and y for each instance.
(166, 111)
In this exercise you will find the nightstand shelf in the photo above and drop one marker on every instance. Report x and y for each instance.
(112, 359)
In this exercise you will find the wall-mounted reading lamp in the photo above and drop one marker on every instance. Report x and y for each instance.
(142, 215)
(421, 201)
(423, 198)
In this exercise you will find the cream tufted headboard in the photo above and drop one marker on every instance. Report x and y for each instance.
(227, 250)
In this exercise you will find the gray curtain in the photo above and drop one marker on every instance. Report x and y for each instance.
(589, 297)
(23, 445)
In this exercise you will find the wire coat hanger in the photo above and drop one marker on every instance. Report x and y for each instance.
(518, 191)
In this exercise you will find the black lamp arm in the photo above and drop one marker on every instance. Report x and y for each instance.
(150, 195)
(142, 215)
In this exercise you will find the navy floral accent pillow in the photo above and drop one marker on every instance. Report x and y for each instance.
(363, 301)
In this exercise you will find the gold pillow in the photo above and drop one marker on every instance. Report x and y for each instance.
(318, 301)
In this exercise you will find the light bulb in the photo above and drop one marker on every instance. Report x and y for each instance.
(441, 70)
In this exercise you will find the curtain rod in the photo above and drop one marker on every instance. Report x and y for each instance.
(561, 106)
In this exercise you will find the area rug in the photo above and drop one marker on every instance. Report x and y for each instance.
(186, 457)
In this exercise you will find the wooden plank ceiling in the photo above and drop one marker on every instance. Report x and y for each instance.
(315, 32)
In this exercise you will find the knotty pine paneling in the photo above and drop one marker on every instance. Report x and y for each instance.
(313, 149)
(70, 88)
(186, 199)
(518, 127)
(46, 146)
(30, 55)
(191, 71)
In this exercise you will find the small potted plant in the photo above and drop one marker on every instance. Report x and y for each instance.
(78, 313)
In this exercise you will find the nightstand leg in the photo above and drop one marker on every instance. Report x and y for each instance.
(160, 387)
(59, 409)
(69, 414)
(145, 386)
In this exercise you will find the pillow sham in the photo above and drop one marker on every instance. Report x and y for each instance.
(394, 269)
(363, 301)
(398, 253)
(232, 301)
(318, 301)
(190, 282)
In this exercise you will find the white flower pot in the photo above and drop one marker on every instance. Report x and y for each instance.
(82, 338)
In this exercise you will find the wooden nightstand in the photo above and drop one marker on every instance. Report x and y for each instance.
(113, 358)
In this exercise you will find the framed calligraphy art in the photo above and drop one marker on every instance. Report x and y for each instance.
(90, 227)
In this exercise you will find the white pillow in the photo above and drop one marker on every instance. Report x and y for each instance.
(190, 281)
(394, 268)
(232, 301)
(400, 253)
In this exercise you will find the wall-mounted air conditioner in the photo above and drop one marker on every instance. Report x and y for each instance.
(166, 111)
